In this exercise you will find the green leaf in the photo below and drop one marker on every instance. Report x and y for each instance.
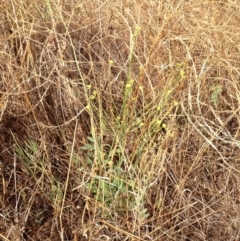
(91, 139)
(87, 147)
(89, 161)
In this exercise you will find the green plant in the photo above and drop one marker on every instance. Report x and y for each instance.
(38, 216)
(216, 92)
(37, 167)
(108, 183)
(32, 158)
(129, 86)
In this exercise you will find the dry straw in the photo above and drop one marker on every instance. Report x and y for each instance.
(119, 120)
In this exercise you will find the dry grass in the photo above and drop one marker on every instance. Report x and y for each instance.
(119, 120)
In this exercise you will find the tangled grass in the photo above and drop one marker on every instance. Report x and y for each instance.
(119, 120)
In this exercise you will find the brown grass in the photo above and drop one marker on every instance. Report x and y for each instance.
(119, 120)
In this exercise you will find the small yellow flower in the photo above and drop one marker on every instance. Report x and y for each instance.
(164, 126)
(131, 81)
(175, 102)
(136, 31)
(88, 107)
(92, 97)
(138, 28)
(182, 74)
